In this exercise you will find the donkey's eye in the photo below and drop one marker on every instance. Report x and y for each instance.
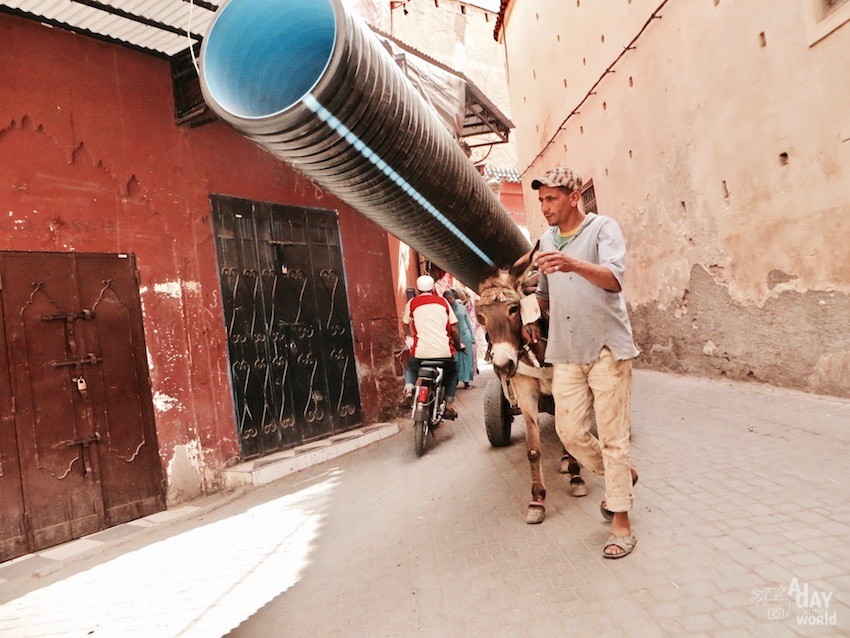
(480, 319)
(513, 310)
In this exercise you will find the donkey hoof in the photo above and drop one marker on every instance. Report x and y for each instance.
(536, 513)
(578, 487)
(565, 465)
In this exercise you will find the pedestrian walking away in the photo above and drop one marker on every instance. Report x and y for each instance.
(463, 358)
(591, 347)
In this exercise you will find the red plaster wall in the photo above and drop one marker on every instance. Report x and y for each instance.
(91, 160)
(513, 200)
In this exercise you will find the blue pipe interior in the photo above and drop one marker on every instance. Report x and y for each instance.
(262, 56)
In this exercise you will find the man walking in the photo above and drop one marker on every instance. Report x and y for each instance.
(582, 264)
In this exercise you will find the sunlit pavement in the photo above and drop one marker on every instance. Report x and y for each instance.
(741, 516)
(200, 582)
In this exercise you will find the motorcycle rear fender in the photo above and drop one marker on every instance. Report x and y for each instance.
(421, 412)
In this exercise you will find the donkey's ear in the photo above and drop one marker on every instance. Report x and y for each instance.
(524, 263)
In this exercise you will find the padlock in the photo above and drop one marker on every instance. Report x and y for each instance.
(82, 386)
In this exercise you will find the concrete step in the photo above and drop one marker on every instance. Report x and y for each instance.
(275, 466)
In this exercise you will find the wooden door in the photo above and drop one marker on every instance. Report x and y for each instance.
(84, 433)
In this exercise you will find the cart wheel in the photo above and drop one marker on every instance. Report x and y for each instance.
(497, 414)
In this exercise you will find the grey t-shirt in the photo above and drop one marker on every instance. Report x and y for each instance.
(584, 318)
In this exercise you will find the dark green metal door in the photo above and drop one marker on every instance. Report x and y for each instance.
(288, 327)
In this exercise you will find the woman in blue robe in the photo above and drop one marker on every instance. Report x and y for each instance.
(464, 360)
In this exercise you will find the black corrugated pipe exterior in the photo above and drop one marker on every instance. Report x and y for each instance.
(312, 84)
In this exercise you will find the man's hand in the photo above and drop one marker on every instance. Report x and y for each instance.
(531, 333)
(552, 262)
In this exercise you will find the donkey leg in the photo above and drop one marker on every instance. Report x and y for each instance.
(577, 486)
(566, 459)
(536, 509)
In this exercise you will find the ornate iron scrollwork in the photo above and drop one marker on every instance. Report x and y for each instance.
(287, 325)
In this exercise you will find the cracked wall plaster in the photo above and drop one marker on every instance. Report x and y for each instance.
(796, 339)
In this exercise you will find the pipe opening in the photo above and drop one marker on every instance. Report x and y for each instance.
(262, 56)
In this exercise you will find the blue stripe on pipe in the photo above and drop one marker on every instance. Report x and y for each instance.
(331, 120)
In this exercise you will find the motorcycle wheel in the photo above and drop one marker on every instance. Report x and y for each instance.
(419, 435)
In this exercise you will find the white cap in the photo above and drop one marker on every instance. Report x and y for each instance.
(425, 283)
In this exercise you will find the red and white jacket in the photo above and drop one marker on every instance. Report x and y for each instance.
(430, 318)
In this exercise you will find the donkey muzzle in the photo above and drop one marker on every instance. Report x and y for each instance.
(505, 359)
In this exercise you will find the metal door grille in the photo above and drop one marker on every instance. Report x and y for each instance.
(288, 327)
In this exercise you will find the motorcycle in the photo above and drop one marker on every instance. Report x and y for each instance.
(429, 402)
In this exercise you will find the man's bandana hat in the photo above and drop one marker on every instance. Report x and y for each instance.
(559, 176)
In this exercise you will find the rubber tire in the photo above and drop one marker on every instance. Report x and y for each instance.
(419, 437)
(497, 414)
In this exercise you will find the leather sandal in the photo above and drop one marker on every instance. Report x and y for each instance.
(626, 543)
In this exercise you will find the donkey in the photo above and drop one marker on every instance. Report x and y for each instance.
(518, 366)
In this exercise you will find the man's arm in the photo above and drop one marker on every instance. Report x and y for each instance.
(455, 335)
(597, 274)
(407, 322)
(531, 331)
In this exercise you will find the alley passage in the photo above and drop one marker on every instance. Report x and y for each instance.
(741, 518)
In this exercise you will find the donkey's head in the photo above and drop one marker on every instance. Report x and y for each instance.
(498, 311)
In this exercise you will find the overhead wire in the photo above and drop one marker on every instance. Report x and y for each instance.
(575, 111)
(189, 37)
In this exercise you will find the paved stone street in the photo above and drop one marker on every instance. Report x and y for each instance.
(742, 519)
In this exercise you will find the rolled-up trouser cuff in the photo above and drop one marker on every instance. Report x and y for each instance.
(619, 504)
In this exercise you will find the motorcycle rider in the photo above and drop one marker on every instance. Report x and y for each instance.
(431, 323)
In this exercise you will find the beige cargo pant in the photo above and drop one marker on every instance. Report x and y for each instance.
(605, 386)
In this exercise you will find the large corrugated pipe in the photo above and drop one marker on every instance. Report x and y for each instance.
(312, 84)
